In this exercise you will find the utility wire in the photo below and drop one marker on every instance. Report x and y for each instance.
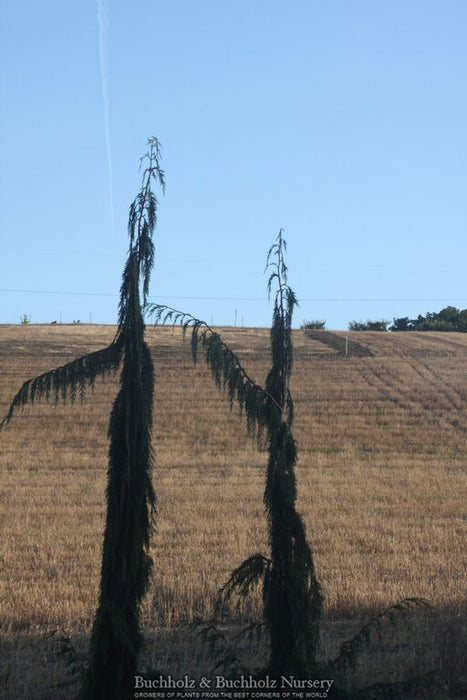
(261, 299)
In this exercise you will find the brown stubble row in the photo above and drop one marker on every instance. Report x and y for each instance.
(381, 476)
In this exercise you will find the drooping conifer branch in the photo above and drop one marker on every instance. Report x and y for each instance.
(250, 572)
(69, 380)
(226, 369)
(351, 649)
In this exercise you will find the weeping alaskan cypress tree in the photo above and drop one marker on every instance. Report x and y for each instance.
(292, 600)
(126, 564)
(292, 596)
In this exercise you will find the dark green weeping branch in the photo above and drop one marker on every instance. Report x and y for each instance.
(351, 649)
(69, 381)
(227, 371)
(242, 579)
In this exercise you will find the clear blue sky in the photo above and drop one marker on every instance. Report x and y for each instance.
(344, 122)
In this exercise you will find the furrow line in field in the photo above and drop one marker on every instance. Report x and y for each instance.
(411, 396)
(455, 398)
(387, 386)
(454, 404)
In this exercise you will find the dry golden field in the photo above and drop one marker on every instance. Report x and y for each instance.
(381, 481)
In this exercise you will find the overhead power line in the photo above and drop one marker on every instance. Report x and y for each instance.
(236, 299)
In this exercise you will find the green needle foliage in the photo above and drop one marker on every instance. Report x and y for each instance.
(351, 649)
(126, 564)
(291, 593)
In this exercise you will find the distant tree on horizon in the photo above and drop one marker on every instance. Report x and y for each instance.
(368, 325)
(314, 325)
(448, 319)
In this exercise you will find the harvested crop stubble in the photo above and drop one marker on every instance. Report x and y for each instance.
(382, 446)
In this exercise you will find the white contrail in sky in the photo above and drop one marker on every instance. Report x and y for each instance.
(101, 19)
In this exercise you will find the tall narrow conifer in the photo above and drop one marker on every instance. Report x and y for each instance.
(292, 599)
(291, 593)
(292, 596)
(126, 564)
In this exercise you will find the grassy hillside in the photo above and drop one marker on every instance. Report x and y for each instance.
(382, 445)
